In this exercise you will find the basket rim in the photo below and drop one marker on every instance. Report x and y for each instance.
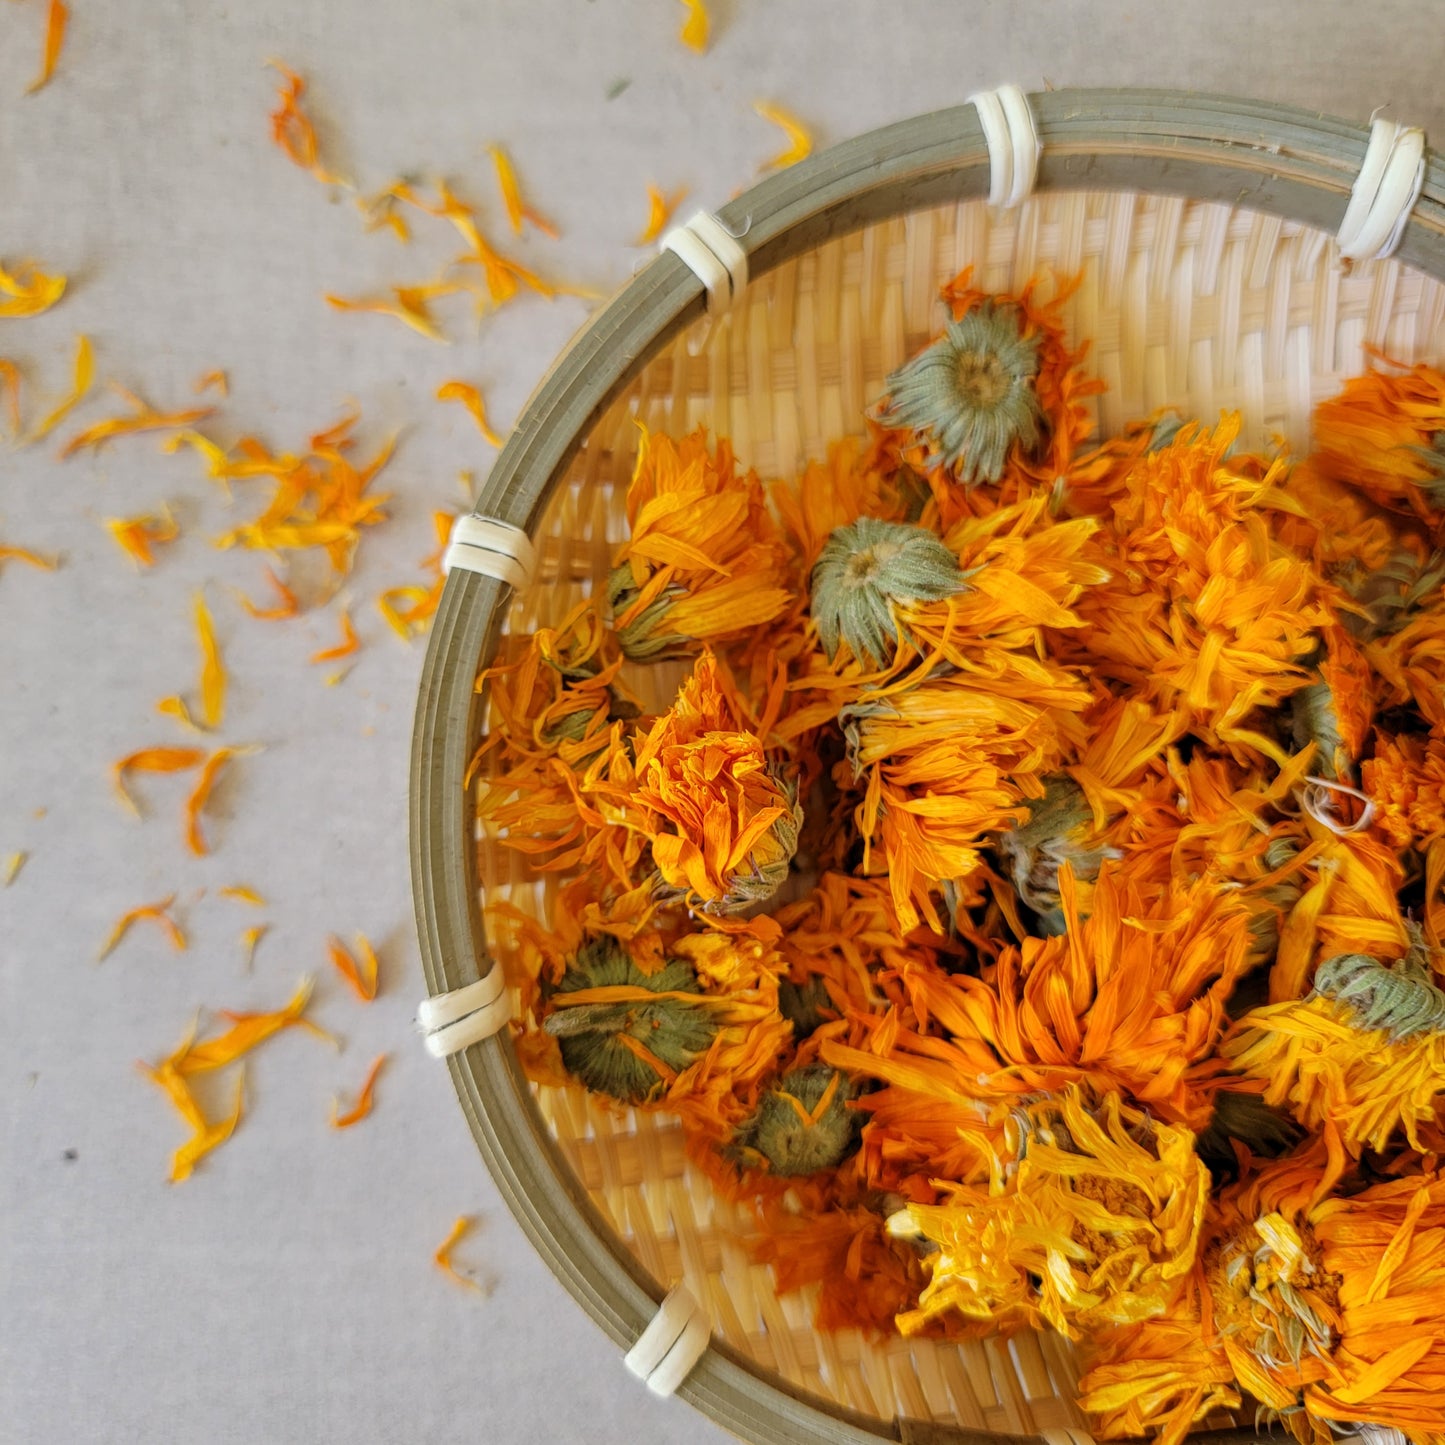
(1289, 163)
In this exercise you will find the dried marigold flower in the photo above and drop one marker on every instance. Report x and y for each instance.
(865, 570)
(803, 1124)
(970, 396)
(625, 1033)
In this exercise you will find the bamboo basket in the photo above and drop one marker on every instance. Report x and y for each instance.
(1203, 230)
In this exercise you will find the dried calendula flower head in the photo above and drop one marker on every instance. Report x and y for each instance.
(803, 1124)
(866, 569)
(722, 821)
(625, 1033)
(1403, 1000)
(970, 396)
(1058, 830)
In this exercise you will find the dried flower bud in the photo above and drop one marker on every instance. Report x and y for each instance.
(866, 569)
(1058, 831)
(803, 1124)
(970, 395)
(1402, 999)
(805, 1005)
(629, 1048)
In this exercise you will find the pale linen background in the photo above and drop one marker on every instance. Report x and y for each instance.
(285, 1294)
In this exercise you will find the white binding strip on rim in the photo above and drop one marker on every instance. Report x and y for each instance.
(465, 1016)
(714, 256)
(1376, 1435)
(1391, 177)
(1013, 143)
(671, 1344)
(496, 549)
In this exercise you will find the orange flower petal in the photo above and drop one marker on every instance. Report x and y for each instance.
(362, 1106)
(350, 642)
(443, 1256)
(362, 977)
(152, 760)
(55, 17)
(84, 377)
(694, 30)
(517, 209)
(152, 912)
(29, 296)
(659, 211)
(471, 398)
(800, 143)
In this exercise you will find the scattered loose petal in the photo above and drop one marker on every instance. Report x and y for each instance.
(29, 557)
(13, 864)
(350, 643)
(443, 1255)
(157, 913)
(517, 209)
(246, 1031)
(135, 536)
(800, 143)
(471, 398)
(694, 30)
(362, 1107)
(204, 1137)
(196, 803)
(289, 606)
(659, 213)
(10, 384)
(30, 294)
(143, 418)
(213, 671)
(213, 381)
(409, 306)
(249, 939)
(80, 388)
(292, 130)
(243, 893)
(55, 17)
(321, 500)
(176, 707)
(153, 760)
(363, 976)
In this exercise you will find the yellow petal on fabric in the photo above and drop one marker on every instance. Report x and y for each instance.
(800, 143)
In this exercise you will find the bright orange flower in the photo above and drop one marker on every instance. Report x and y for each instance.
(704, 561)
(721, 820)
(1381, 435)
(1092, 1218)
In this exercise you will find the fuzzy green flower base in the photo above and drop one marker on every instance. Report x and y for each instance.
(1401, 999)
(864, 570)
(970, 397)
(778, 1134)
(1056, 832)
(672, 1030)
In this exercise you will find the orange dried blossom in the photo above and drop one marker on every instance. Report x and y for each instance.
(704, 561)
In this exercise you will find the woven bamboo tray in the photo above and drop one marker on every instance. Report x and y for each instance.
(1202, 227)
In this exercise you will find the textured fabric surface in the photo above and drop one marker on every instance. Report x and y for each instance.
(286, 1292)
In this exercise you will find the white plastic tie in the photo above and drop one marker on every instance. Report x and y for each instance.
(495, 549)
(1013, 143)
(714, 256)
(451, 1022)
(1391, 177)
(1376, 1435)
(671, 1344)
